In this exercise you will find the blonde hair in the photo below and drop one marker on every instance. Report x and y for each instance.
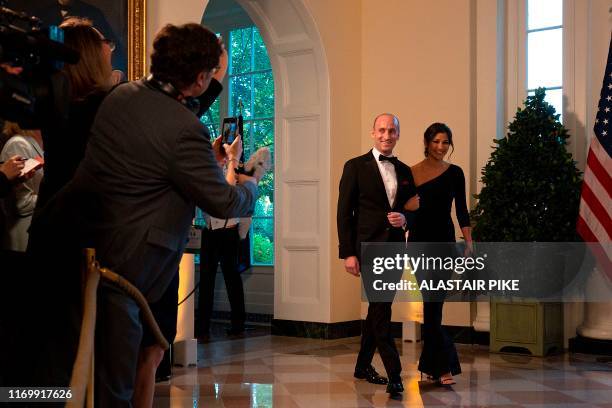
(92, 73)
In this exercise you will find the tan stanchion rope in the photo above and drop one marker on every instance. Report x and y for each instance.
(82, 371)
(142, 302)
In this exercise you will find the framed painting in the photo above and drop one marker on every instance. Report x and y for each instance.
(122, 21)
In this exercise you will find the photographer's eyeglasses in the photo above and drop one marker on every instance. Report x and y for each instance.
(110, 43)
(215, 69)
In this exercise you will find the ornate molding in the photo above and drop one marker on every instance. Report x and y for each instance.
(136, 39)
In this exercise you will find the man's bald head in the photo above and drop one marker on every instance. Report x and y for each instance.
(395, 121)
(385, 133)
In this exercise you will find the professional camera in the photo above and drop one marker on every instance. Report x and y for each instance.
(39, 95)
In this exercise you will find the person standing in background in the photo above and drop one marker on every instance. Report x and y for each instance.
(90, 80)
(220, 243)
(19, 206)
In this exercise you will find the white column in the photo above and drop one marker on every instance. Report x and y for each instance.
(597, 315)
(185, 345)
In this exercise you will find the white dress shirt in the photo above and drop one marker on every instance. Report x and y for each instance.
(216, 223)
(387, 171)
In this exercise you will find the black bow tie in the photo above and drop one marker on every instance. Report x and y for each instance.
(392, 159)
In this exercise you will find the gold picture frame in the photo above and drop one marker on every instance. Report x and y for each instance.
(137, 53)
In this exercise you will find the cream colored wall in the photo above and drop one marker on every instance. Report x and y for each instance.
(416, 64)
(162, 12)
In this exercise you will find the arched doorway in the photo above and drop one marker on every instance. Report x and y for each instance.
(302, 146)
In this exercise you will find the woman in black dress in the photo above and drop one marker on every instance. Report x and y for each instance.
(438, 184)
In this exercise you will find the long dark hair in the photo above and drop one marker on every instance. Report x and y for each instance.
(433, 130)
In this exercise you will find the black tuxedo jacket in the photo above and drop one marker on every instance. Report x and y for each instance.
(363, 204)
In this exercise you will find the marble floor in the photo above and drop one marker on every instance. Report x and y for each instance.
(273, 371)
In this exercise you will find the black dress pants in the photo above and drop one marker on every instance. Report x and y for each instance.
(376, 333)
(439, 355)
(220, 245)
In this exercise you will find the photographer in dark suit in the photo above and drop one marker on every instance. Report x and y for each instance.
(148, 163)
(375, 189)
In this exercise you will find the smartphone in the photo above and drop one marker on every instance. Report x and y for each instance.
(229, 130)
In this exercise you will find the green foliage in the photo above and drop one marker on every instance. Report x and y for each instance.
(263, 247)
(250, 72)
(531, 184)
(211, 119)
(252, 83)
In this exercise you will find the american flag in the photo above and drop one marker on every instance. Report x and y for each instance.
(595, 219)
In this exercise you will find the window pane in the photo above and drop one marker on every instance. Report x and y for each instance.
(544, 59)
(263, 133)
(240, 51)
(199, 218)
(263, 241)
(265, 203)
(240, 90)
(211, 119)
(262, 61)
(264, 95)
(264, 207)
(555, 98)
(246, 140)
(544, 13)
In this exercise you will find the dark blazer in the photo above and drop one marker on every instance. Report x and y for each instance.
(65, 145)
(148, 162)
(363, 204)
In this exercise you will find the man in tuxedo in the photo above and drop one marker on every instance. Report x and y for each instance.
(375, 189)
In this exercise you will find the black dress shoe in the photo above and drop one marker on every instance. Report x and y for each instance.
(370, 375)
(395, 387)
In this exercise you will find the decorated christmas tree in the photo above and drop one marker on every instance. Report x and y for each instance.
(531, 186)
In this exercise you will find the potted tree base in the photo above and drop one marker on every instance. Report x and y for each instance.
(523, 326)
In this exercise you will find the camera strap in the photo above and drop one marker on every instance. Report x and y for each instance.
(193, 104)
